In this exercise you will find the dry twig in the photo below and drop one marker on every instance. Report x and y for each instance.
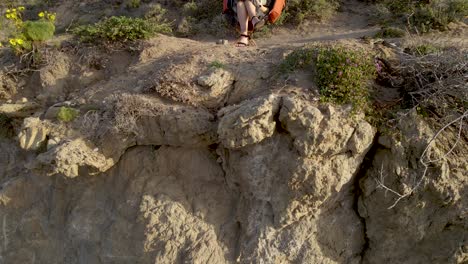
(425, 160)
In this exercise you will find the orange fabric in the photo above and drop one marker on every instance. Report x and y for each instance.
(275, 12)
(225, 6)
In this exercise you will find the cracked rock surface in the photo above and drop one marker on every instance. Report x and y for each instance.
(273, 179)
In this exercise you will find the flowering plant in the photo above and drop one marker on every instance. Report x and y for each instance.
(25, 34)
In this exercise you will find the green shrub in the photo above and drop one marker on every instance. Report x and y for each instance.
(40, 30)
(390, 32)
(120, 29)
(343, 75)
(67, 114)
(299, 10)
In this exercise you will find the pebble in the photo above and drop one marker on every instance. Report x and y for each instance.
(222, 42)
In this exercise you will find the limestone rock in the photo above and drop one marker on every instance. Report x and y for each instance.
(71, 157)
(154, 122)
(432, 220)
(33, 133)
(217, 83)
(325, 130)
(53, 77)
(18, 110)
(8, 87)
(248, 123)
(171, 229)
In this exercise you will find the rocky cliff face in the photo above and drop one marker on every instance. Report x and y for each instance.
(275, 179)
(172, 161)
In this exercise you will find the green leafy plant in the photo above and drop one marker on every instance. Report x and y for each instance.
(67, 114)
(343, 75)
(121, 29)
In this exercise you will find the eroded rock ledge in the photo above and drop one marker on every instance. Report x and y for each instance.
(270, 180)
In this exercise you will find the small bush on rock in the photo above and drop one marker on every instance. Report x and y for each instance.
(67, 114)
(343, 75)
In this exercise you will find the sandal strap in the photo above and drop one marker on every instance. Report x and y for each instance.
(244, 35)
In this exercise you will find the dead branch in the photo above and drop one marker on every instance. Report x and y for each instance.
(425, 160)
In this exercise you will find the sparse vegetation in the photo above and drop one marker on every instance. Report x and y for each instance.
(422, 16)
(297, 59)
(217, 65)
(133, 3)
(6, 128)
(390, 32)
(121, 29)
(67, 114)
(203, 9)
(423, 49)
(298, 11)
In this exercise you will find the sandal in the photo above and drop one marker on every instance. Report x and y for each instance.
(260, 23)
(241, 44)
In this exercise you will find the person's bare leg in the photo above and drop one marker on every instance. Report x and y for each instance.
(243, 18)
(251, 11)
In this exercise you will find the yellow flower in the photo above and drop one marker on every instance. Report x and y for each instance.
(8, 16)
(14, 10)
(21, 8)
(13, 42)
(52, 17)
(19, 41)
(8, 10)
(41, 14)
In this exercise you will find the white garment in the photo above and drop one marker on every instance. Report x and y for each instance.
(257, 3)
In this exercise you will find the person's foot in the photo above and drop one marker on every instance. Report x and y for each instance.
(243, 41)
(258, 23)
